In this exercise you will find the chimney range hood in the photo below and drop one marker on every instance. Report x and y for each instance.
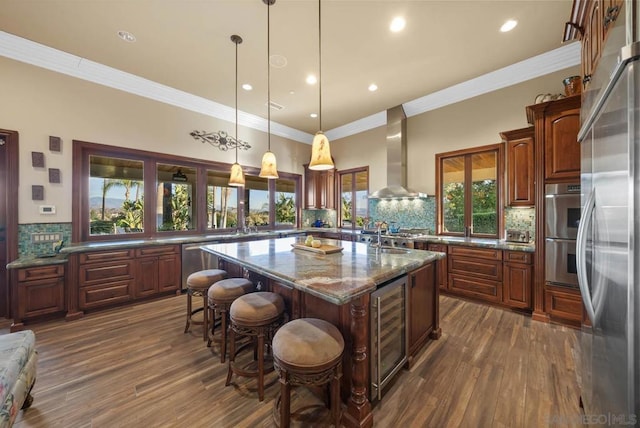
(396, 159)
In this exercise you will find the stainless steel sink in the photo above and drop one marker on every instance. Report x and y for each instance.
(390, 250)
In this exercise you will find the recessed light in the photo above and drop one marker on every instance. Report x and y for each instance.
(311, 79)
(292, 92)
(509, 25)
(127, 36)
(278, 61)
(313, 115)
(397, 24)
(373, 87)
(247, 87)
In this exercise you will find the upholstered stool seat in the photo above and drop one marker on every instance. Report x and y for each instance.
(307, 351)
(197, 285)
(220, 296)
(256, 315)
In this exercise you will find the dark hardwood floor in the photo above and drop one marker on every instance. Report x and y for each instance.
(134, 367)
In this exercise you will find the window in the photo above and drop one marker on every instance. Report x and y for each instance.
(285, 205)
(469, 186)
(116, 196)
(222, 202)
(176, 197)
(353, 191)
(139, 194)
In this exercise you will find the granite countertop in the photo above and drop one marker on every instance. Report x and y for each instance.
(83, 247)
(338, 277)
(500, 244)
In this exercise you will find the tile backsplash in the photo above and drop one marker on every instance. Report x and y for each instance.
(521, 219)
(30, 247)
(406, 213)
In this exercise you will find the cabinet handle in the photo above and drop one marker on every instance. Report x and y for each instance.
(586, 79)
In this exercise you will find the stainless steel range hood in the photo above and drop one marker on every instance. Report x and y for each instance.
(396, 158)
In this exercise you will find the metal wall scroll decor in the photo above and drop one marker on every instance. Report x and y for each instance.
(220, 139)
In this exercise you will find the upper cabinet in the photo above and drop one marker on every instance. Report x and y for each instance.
(556, 127)
(591, 21)
(520, 166)
(319, 189)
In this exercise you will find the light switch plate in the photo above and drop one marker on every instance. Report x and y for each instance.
(47, 209)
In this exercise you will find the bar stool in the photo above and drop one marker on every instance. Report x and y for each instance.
(221, 295)
(256, 315)
(307, 351)
(198, 284)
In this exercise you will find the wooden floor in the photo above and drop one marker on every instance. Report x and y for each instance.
(134, 367)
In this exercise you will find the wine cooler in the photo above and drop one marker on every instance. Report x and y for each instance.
(388, 334)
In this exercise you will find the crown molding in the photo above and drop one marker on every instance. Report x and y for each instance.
(33, 53)
(39, 55)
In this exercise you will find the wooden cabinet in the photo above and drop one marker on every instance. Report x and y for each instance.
(591, 21)
(158, 270)
(556, 127)
(517, 278)
(319, 189)
(38, 292)
(422, 295)
(105, 278)
(442, 265)
(520, 166)
(476, 272)
(564, 304)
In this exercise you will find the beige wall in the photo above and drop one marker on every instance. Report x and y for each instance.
(473, 122)
(38, 103)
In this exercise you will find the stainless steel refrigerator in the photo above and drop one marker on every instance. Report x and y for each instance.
(608, 262)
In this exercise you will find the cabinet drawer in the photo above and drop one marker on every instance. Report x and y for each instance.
(105, 294)
(157, 251)
(563, 303)
(442, 248)
(106, 256)
(482, 253)
(41, 272)
(517, 257)
(486, 290)
(40, 297)
(99, 272)
(476, 268)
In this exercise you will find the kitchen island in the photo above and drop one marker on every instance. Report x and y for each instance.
(337, 287)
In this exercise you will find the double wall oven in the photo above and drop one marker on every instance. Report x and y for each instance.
(562, 216)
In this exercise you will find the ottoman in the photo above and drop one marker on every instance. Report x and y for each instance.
(17, 374)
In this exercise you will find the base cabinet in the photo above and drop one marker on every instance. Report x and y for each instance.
(423, 308)
(563, 304)
(518, 273)
(442, 265)
(158, 270)
(38, 292)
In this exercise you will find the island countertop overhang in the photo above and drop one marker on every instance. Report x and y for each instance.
(338, 278)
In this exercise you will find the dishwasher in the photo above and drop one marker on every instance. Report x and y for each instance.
(194, 260)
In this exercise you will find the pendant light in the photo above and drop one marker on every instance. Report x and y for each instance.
(236, 179)
(268, 168)
(320, 150)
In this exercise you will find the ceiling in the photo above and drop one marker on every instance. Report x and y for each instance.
(185, 44)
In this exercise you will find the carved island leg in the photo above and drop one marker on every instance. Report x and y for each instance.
(358, 412)
(436, 332)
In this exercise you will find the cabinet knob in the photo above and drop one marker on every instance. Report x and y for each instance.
(611, 16)
(586, 79)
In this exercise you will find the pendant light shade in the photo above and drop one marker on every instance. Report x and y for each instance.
(320, 153)
(237, 176)
(236, 179)
(268, 168)
(320, 150)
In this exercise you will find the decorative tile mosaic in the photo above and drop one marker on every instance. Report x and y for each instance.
(406, 213)
(28, 248)
(521, 219)
(329, 217)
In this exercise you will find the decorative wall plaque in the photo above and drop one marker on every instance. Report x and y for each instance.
(54, 144)
(37, 193)
(37, 159)
(54, 175)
